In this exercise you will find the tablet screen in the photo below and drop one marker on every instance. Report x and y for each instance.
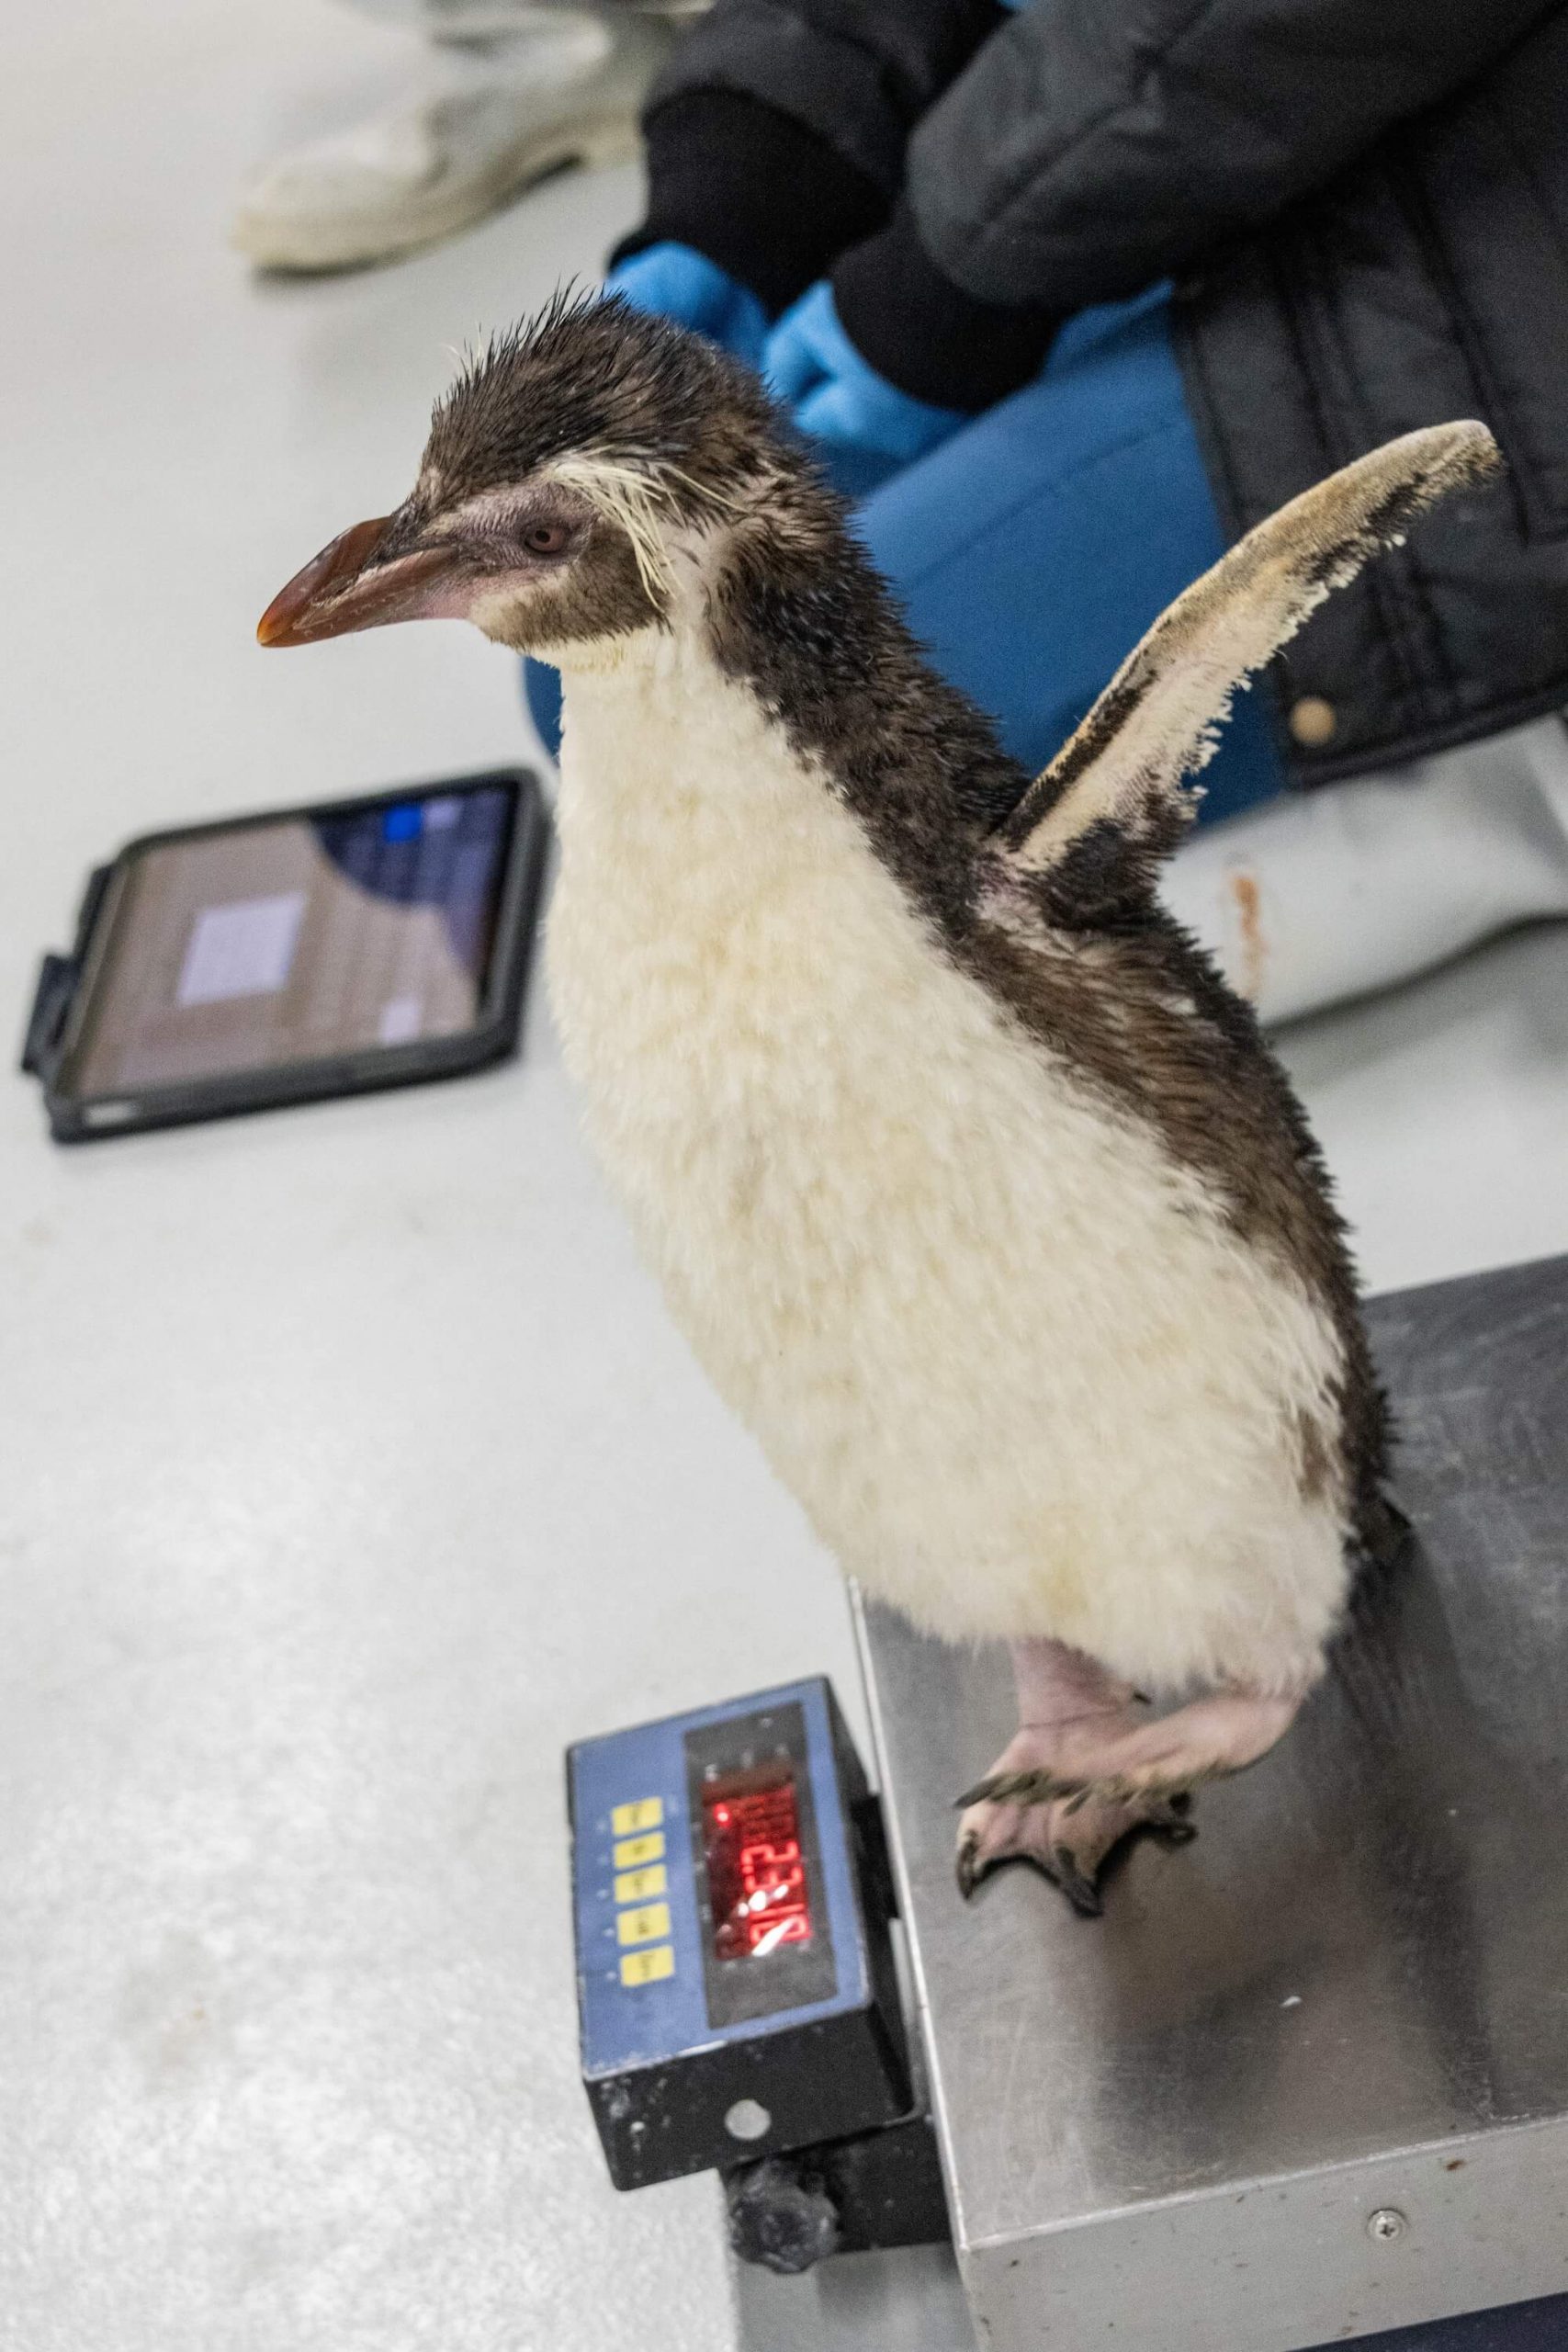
(295, 938)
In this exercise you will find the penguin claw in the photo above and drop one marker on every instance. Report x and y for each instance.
(1061, 1869)
(1023, 1788)
(1069, 1836)
(1169, 1816)
(981, 1794)
(1081, 1892)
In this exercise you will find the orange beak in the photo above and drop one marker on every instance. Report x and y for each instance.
(344, 589)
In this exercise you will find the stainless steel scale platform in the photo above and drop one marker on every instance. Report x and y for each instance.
(1308, 2078)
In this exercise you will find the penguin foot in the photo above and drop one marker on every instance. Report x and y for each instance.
(1070, 1838)
(1067, 1790)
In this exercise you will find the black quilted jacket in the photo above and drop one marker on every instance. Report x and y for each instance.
(1363, 205)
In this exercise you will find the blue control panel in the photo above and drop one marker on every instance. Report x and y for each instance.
(727, 1945)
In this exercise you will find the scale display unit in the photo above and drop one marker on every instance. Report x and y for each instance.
(736, 1988)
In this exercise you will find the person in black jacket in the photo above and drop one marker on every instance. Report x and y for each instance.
(1082, 290)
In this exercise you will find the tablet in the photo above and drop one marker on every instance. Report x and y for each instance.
(288, 956)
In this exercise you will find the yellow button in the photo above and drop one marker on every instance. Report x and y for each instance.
(647, 1967)
(647, 1813)
(632, 1852)
(641, 1886)
(643, 1927)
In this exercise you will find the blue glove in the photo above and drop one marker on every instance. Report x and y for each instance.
(677, 282)
(868, 428)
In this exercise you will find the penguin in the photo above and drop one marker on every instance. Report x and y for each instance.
(974, 1187)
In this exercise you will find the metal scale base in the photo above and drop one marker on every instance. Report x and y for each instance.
(1307, 2080)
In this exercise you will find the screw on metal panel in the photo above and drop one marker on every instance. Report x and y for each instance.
(1386, 2224)
(747, 2120)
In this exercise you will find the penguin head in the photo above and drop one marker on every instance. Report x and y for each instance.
(568, 470)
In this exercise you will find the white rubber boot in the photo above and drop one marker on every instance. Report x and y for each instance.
(1322, 896)
(498, 112)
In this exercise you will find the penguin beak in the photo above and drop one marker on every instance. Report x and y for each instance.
(344, 588)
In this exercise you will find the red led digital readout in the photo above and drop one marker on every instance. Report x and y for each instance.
(756, 1878)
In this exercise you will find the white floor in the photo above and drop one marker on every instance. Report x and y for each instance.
(349, 1465)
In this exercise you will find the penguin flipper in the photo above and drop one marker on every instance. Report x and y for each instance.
(1114, 793)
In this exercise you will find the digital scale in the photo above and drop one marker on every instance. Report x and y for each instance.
(1305, 2082)
(737, 1986)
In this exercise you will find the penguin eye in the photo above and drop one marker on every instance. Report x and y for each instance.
(546, 539)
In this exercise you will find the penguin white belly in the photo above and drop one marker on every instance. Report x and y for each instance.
(1004, 1351)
